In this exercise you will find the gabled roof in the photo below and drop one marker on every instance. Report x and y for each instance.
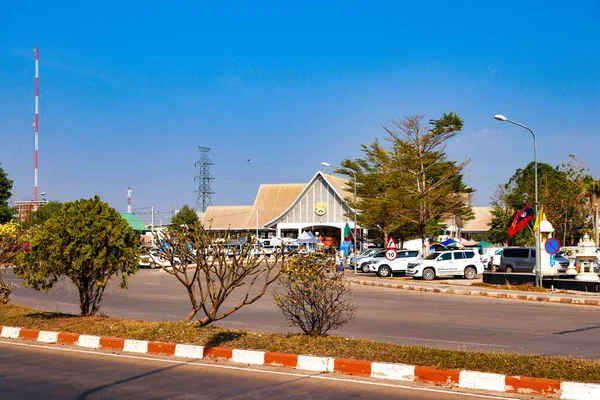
(134, 222)
(272, 200)
(336, 183)
(226, 217)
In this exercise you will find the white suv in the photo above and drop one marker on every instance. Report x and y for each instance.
(384, 268)
(447, 263)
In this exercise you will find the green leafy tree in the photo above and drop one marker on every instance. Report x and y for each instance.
(184, 217)
(42, 214)
(313, 296)
(86, 241)
(6, 211)
(13, 240)
(562, 188)
(412, 187)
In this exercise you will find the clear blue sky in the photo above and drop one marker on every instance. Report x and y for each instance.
(129, 90)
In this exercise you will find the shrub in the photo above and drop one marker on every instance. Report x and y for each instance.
(315, 297)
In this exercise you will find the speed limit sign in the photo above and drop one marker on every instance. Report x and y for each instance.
(390, 254)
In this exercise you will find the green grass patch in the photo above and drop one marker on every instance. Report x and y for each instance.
(561, 368)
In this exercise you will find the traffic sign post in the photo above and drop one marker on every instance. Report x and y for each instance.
(552, 246)
(391, 254)
(391, 244)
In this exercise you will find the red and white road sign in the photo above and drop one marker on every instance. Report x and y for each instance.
(391, 244)
(391, 254)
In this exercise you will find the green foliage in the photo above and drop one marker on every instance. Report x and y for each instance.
(86, 241)
(411, 188)
(13, 240)
(6, 211)
(184, 217)
(315, 297)
(42, 214)
(564, 192)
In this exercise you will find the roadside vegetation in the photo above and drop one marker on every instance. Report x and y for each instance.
(562, 368)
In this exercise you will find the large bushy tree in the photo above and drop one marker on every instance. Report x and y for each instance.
(563, 191)
(6, 211)
(412, 186)
(184, 217)
(86, 241)
(42, 214)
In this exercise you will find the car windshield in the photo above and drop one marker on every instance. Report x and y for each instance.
(433, 256)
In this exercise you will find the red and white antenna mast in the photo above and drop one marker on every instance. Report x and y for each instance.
(129, 200)
(36, 124)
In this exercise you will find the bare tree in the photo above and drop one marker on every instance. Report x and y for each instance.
(211, 269)
(315, 297)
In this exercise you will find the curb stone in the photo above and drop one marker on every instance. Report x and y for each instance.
(469, 292)
(398, 372)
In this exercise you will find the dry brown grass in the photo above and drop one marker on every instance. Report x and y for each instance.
(562, 368)
(524, 287)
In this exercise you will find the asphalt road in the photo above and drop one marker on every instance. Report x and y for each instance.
(386, 315)
(55, 372)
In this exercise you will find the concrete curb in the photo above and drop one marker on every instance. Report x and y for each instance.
(397, 372)
(482, 293)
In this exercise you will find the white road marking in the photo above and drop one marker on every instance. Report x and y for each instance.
(293, 374)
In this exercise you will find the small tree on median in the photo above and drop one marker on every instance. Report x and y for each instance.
(315, 298)
(13, 240)
(86, 241)
(211, 271)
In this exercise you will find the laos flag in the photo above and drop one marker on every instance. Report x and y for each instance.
(520, 220)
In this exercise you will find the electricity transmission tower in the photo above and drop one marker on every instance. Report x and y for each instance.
(202, 180)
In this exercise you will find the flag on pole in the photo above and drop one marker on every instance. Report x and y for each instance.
(347, 232)
(538, 218)
(520, 221)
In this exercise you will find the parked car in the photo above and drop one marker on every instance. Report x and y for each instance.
(495, 259)
(384, 268)
(363, 263)
(456, 263)
(155, 258)
(522, 259)
(362, 255)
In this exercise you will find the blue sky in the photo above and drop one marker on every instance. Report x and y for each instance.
(129, 90)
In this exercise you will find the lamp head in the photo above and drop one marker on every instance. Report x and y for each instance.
(500, 117)
(326, 164)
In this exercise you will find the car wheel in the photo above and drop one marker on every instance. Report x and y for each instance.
(428, 274)
(153, 265)
(364, 267)
(470, 273)
(384, 271)
(508, 270)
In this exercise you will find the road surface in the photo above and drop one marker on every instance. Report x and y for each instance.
(56, 372)
(387, 315)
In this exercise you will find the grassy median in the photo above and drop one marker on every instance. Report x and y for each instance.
(561, 368)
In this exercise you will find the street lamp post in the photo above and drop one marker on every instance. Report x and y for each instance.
(326, 164)
(538, 268)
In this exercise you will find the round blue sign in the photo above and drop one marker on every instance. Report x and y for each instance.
(552, 246)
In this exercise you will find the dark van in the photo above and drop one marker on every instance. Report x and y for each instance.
(517, 259)
(522, 259)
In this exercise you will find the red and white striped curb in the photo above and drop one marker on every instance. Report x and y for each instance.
(482, 293)
(398, 372)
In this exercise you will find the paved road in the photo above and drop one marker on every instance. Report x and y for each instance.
(387, 315)
(52, 372)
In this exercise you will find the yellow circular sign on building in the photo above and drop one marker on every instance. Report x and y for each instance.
(320, 208)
